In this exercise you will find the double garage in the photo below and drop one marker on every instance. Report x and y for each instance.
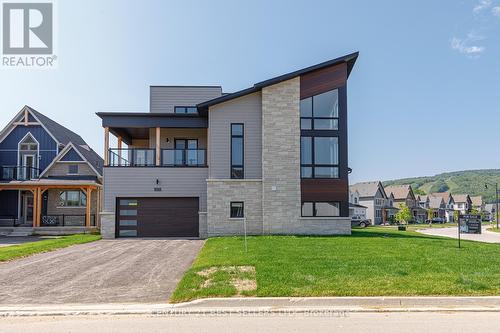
(157, 217)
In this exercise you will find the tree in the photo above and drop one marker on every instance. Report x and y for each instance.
(403, 216)
(474, 211)
(430, 214)
(456, 214)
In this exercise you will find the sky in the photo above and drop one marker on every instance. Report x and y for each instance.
(423, 98)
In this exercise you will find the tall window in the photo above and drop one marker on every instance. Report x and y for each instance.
(319, 157)
(320, 112)
(237, 151)
(320, 209)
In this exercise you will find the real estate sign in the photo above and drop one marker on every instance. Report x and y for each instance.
(469, 224)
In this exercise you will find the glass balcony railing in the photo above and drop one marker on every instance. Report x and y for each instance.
(184, 157)
(18, 173)
(132, 157)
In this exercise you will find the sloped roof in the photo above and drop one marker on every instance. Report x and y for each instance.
(435, 202)
(422, 197)
(65, 136)
(444, 195)
(349, 59)
(461, 197)
(399, 191)
(477, 200)
(367, 189)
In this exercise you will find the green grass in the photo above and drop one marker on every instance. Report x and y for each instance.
(23, 250)
(411, 227)
(370, 262)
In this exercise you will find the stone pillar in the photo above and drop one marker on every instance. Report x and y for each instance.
(281, 202)
(107, 225)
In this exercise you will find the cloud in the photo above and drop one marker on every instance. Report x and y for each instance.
(463, 46)
(482, 5)
(496, 11)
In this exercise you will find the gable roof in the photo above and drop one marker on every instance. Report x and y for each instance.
(349, 59)
(62, 136)
(435, 202)
(71, 147)
(477, 200)
(400, 191)
(422, 197)
(368, 189)
(461, 197)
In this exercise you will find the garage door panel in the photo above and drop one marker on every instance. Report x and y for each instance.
(159, 217)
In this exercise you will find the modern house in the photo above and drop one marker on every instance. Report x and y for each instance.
(463, 203)
(403, 194)
(356, 210)
(372, 195)
(269, 159)
(490, 210)
(449, 205)
(50, 179)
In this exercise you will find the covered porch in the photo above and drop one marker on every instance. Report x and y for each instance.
(54, 203)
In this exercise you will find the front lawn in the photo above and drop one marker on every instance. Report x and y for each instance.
(27, 249)
(371, 262)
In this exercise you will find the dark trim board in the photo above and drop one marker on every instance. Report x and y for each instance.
(326, 190)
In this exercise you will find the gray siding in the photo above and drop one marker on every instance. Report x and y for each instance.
(140, 182)
(246, 110)
(163, 99)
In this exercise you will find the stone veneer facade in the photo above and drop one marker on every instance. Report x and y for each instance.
(271, 205)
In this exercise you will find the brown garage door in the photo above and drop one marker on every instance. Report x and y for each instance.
(157, 217)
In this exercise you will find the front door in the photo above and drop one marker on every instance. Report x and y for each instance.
(28, 208)
(186, 151)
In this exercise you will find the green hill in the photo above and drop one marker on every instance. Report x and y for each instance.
(470, 182)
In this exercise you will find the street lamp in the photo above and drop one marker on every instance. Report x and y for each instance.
(496, 201)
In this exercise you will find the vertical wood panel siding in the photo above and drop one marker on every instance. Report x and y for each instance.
(140, 182)
(71, 156)
(246, 110)
(163, 99)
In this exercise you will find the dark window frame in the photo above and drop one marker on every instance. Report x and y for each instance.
(314, 208)
(77, 169)
(242, 210)
(312, 118)
(242, 166)
(313, 165)
(185, 108)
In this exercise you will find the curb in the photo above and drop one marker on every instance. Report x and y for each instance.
(317, 306)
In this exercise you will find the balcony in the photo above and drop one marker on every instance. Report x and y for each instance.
(142, 157)
(18, 173)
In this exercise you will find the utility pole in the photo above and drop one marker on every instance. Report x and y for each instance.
(496, 200)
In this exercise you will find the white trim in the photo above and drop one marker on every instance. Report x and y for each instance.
(45, 128)
(18, 205)
(62, 153)
(37, 150)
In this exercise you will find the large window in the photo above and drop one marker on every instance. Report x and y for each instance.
(319, 157)
(320, 112)
(186, 109)
(320, 209)
(237, 151)
(72, 199)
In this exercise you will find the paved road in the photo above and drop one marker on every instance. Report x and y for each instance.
(485, 236)
(353, 322)
(106, 271)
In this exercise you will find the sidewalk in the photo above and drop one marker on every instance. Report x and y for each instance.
(268, 305)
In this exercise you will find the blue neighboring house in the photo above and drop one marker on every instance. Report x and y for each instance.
(50, 179)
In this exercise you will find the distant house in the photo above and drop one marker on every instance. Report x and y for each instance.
(438, 207)
(463, 203)
(372, 195)
(403, 194)
(355, 209)
(449, 213)
(477, 203)
(490, 210)
(422, 201)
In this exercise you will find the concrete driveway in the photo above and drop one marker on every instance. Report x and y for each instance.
(106, 271)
